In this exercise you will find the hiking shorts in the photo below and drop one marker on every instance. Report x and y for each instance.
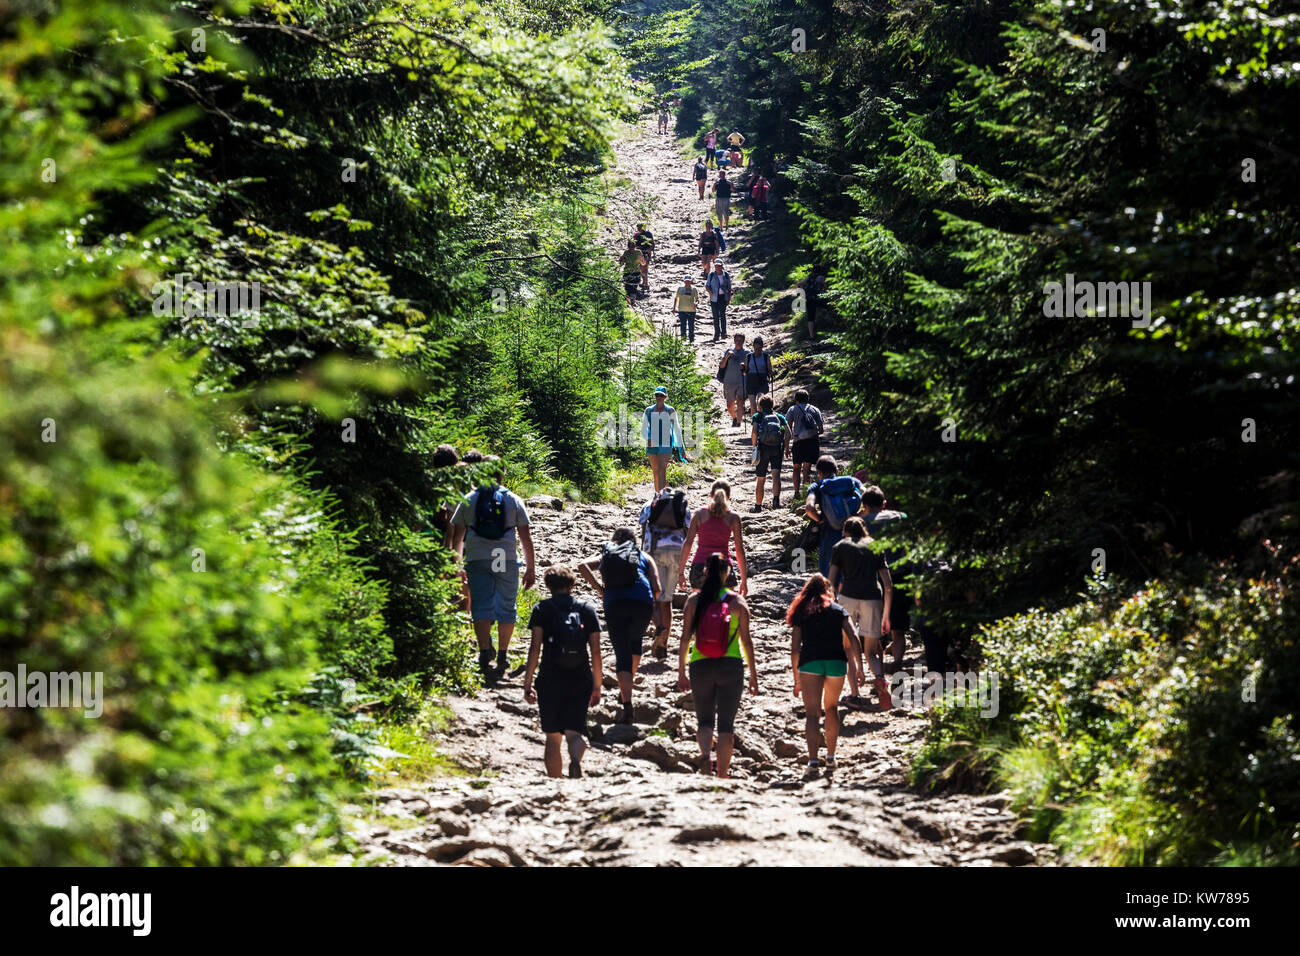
(755, 384)
(492, 594)
(866, 615)
(825, 668)
(562, 700)
(805, 451)
(717, 684)
(626, 622)
(767, 455)
(733, 393)
(722, 206)
(659, 449)
(668, 563)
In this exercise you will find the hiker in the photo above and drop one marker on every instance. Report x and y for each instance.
(758, 375)
(861, 584)
(731, 373)
(806, 426)
(820, 629)
(566, 636)
(877, 518)
(736, 140)
(718, 620)
(708, 246)
(759, 192)
(645, 242)
(628, 586)
(769, 433)
(813, 288)
(663, 118)
(487, 523)
(722, 157)
(716, 527)
(701, 175)
(722, 205)
(832, 499)
(719, 285)
(710, 146)
(631, 261)
(685, 302)
(662, 431)
(663, 521)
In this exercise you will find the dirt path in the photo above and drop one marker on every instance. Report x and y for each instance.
(639, 803)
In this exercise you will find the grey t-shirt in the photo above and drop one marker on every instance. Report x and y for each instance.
(735, 371)
(485, 549)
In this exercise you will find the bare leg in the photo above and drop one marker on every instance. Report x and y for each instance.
(776, 488)
(554, 762)
(830, 700)
(726, 743)
(810, 686)
(704, 737)
(758, 489)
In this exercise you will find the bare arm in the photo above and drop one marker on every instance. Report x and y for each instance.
(597, 668)
(747, 643)
(835, 581)
(796, 641)
(686, 545)
(587, 569)
(887, 585)
(530, 572)
(742, 564)
(684, 645)
(534, 652)
(855, 647)
(653, 574)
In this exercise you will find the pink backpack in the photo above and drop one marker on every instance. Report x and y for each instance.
(713, 636)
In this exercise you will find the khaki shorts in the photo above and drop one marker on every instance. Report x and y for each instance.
(865, 614)
(668, 563)
(733, 393)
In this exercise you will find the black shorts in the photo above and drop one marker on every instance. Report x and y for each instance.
(708, 251)
(805, 451)
(626, 622)
(562, 700)
(717, 685)
(755, 384)
(767, 455)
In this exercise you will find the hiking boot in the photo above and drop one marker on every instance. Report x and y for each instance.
(756, 508)
(627, 714)
(575, 769)
(485, 663)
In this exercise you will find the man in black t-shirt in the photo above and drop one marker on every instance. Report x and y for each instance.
(566, 637)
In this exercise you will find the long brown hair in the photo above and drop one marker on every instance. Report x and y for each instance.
(815, 596)
(721, 492)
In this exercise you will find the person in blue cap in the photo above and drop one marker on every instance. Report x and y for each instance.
(662, 431)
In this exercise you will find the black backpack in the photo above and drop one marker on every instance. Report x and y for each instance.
(619, 564)
(568, 643)
(667, 513)
(490, 512)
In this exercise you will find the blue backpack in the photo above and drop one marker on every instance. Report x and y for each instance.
(722, 242)
(841, 499)
(490, 512)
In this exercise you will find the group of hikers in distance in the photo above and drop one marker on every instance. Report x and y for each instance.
(838, 621)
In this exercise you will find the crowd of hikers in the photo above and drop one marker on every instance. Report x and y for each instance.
(842, 620)
(839, 623)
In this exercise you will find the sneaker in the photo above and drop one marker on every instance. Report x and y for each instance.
(485, 662)
(627, 714)
(812, 771)
(575, 769)
(830, 762)
(756, 508)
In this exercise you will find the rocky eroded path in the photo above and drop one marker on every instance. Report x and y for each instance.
(640, 801)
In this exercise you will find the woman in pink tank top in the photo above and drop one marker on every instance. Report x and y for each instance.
(716, 528)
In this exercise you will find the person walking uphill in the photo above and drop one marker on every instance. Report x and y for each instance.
(731, 372)
(488, 525)
(758, 375)
(722, 205)
(629, 587)
(806, 426)
(716, 528)
(770, 436)
(663, 521)
(709, 247)
(715, 630)
(819, 631)
(662, 431)
(719, 285)
(832, 500)
(686, 301)
(861, 583)
(701, 175)
(710, 144)
(566, 638)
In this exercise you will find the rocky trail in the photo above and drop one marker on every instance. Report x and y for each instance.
(640, 801)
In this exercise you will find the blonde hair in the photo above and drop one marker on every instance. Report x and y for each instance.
(721, 492)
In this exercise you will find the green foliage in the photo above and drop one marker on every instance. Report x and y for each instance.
(1153, 729)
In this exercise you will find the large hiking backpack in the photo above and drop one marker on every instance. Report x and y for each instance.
(490, 512)
(667, 513)
(569, 642)
(770, 431)
(619, 564)
(713, 636)
(841, 499)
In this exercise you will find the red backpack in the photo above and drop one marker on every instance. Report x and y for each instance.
(713, 636)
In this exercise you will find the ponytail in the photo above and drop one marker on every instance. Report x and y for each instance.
(720, 504)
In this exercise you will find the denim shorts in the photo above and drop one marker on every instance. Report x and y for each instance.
(492, 594)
